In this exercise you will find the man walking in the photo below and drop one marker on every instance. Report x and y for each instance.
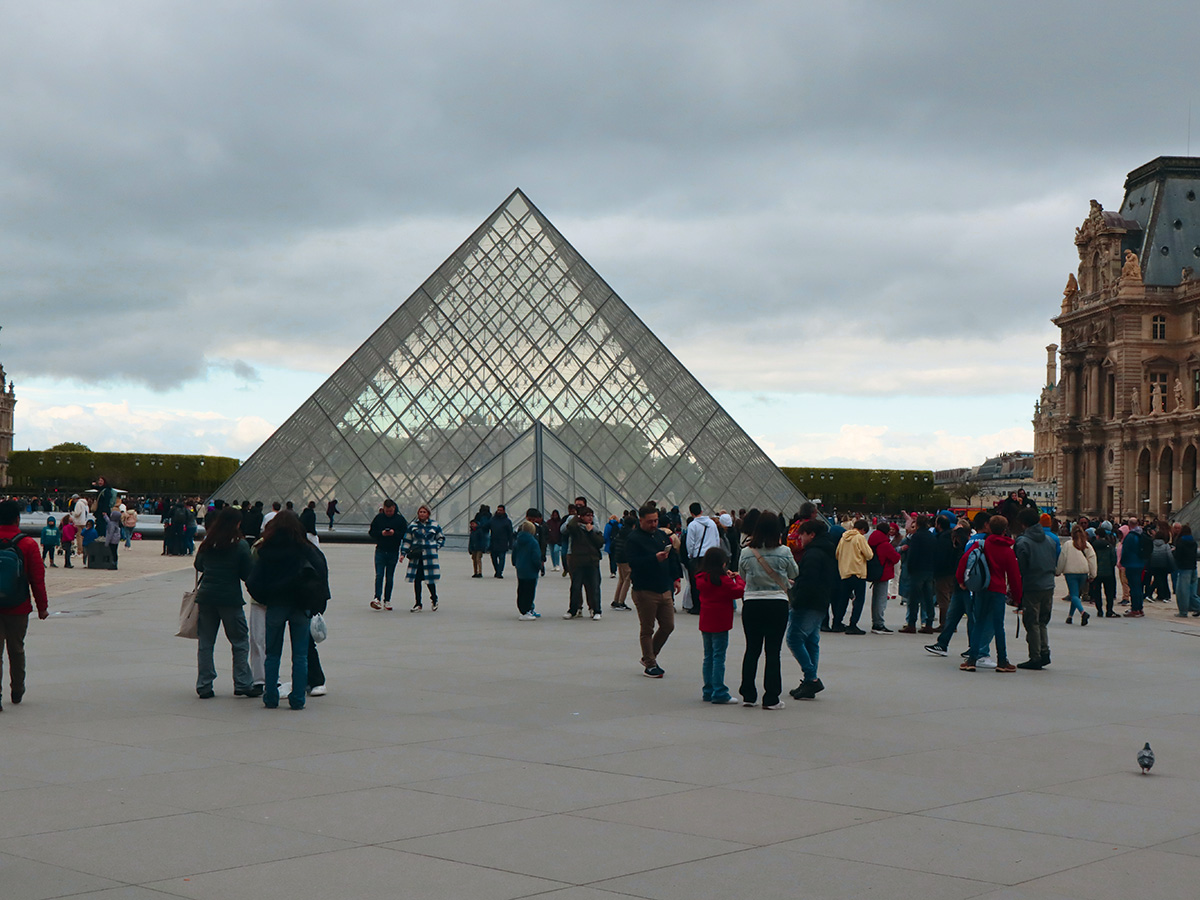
(501, 530)
(22, 583)
(387, 530)
(655, 577)
(1134, 557)
(1037, 558)
(331, 510)
(702, 534)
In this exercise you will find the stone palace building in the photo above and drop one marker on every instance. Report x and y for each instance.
(8, 400)
(1120, 428)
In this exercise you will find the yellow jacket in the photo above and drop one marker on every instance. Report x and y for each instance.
(853, 551)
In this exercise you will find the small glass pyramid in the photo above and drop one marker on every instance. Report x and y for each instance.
(513, 375)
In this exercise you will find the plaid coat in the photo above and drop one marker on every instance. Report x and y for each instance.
(423, 538)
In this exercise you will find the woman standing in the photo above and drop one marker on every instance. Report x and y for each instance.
(480, 539)
(421, 544)
(224, 562)
(1077, 562)
(554, 537)
(766, 567)
(291, 578)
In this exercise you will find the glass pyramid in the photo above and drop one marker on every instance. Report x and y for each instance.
(513, 375)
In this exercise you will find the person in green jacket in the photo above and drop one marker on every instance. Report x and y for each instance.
(223, 562)
(50, 541)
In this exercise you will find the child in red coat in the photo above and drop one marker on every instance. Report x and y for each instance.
(719, 590)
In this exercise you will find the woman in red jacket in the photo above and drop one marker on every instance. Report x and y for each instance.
(718, 589)
(880, 543)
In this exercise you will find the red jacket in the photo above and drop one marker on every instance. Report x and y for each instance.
(716, 600)
(35, 572)
(1002, 563)
(881, 544)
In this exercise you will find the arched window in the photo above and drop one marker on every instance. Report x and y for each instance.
(1158, 328)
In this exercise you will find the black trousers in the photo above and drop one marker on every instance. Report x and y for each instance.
(851, 587)
(764, 622)
(1107, 583)
(526, 588)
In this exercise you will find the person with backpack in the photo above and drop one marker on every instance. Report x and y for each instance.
(853, 555)
(1105, 549)
(22, 584)
(1003, 577)
(50, 538)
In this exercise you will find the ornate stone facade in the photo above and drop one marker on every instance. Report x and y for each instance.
(1120, 430)
(8, 400)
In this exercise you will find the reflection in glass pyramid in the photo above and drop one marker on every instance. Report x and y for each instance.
(513, 375)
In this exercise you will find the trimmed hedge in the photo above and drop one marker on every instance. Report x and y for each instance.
(876, 490)
(43, 471)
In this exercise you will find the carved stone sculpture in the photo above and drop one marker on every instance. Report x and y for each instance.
(1180, 403)
(1132, 268)
(1069, 293)
(1135, 402)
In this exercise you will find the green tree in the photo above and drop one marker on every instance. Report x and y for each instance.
(71, 446)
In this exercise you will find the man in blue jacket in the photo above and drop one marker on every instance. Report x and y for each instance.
(1133, 560)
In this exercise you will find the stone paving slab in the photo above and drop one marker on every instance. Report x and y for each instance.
(466, 754)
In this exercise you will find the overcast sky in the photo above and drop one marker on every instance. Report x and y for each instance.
(852, 221)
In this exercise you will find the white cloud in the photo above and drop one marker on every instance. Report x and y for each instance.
(881, 447)
(120, 427)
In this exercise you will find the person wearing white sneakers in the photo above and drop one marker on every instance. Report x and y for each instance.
(527, 560)
(584, 562)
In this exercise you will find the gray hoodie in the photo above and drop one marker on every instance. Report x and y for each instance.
(1037, 557)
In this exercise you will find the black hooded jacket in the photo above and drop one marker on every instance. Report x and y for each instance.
(818, 577)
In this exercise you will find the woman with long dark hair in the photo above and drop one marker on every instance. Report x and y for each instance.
(291, 578)
(222, 564)
(768, 568)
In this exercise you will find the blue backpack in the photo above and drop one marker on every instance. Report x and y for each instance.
(978, 575)
(14, 586)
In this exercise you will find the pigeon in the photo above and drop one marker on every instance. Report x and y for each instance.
(1146, 759)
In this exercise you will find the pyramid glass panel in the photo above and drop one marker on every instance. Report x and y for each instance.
(513, 375)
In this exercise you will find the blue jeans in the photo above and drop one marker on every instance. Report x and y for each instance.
(989, 623)
(127, 536)
(715, 645)
(1075, 585)
(804, 639)
(960, 604)
(1133, 574)
(920, 598)
(555, 555)
(1185, 591)
(385, 572)
(210, 618)
(297, 622)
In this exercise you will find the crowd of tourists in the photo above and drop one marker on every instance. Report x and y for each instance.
(793, 579)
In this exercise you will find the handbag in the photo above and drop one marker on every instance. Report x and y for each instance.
(775, 576)
(189, 613)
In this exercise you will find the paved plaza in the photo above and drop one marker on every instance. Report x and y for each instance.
(465, 754)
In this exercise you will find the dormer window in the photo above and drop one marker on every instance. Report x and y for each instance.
(1158, 328)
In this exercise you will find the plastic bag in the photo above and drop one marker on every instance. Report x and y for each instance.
(317, 628)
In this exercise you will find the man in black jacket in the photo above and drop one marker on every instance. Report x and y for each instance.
(502, 539)
(945, 565)
(655, 574)
(387, 530)
(920, 560)
(815, 584)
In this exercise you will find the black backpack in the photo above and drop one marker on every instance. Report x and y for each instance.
(14, 584)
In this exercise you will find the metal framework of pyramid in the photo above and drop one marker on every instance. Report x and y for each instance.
(513, 375)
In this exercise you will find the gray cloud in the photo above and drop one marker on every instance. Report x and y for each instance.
(199, 183)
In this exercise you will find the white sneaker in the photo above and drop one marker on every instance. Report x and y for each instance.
(318, 691)
(527, 618)
(597, 617)
(612, 574)
(556, 568)
(985, 662)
